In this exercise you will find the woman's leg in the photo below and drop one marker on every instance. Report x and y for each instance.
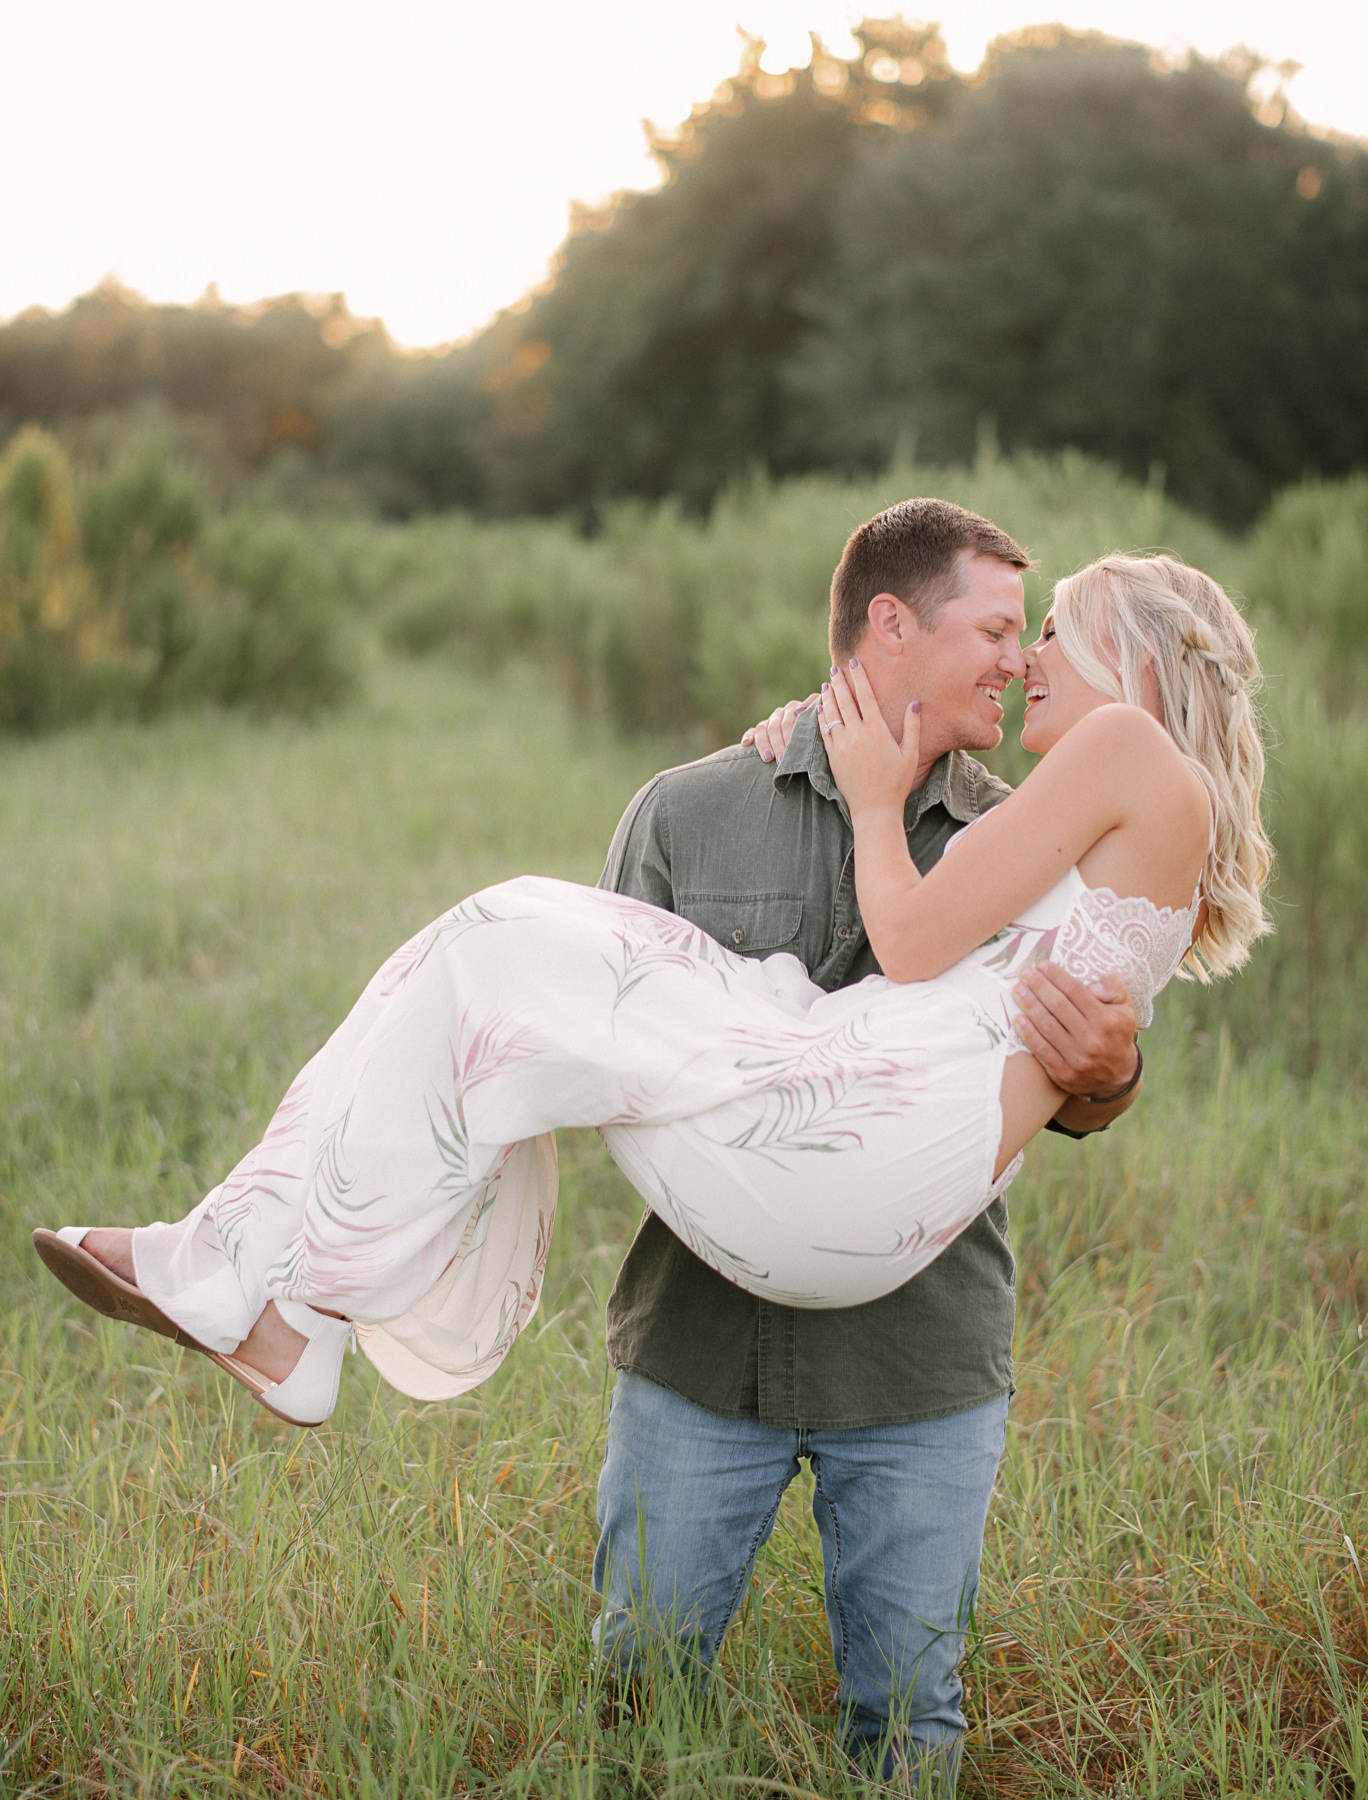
(272, 1347)
(378, 1192)
(1029, 1098)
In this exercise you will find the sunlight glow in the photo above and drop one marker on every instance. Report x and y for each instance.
(419, 157)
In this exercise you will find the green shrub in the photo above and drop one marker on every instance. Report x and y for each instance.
(483, 590)
(120, 594)
(267, 634)
(1307, 563)
(59, 643)
(141, 526)
(665, 622)
(1300, 987)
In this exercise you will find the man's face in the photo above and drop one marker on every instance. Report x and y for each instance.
(959, 669)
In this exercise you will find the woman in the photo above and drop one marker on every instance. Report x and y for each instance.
(407, 1181)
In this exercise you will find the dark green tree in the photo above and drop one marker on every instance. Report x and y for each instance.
(1083, 245)
(258, 377)
(1093, 249)
(657, 361)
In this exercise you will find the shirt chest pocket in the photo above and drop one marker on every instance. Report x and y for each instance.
(753, 924)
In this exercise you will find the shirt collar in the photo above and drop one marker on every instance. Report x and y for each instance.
(953, 782)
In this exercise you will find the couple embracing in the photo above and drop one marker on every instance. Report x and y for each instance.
(818, 1050)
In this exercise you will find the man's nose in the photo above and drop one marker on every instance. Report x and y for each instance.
(1012, 661)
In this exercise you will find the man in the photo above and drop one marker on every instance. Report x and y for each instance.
(901, 1405)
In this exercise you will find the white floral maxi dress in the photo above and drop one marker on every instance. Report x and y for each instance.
(817, 1149)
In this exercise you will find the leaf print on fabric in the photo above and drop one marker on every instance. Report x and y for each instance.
(405, 961)
(290, 1120)
(995, 1032)
(270, 1175)
(494, 1047)
(333, 1178)
(410, 957)
(848, 1052)
(451, 1141)
(650, 921)
(530, 1297)
(287, 1133)
(636, 962)
(686, 1223)
(1020, 946)
(804, 1117)
(638, 1101)
(242, 1194)
(903, 1244)
(510, 1323)
(809, 1091)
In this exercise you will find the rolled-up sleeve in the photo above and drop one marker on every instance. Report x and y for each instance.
(639, 855)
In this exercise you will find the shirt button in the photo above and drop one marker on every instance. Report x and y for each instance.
(843, 931)
(738, 936)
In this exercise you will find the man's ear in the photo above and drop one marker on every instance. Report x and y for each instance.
(892, 623)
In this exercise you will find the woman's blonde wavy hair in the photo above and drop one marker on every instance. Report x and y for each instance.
(1125, 616)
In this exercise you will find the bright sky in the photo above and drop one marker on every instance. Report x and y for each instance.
(420, 156)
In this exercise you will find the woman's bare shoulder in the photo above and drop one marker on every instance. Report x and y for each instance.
(1128, 750)
(1127, 728)
(1129, 741)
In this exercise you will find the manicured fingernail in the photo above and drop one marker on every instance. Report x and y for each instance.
(853, 663)
(916, 706)
(767, 756)
(801, 706)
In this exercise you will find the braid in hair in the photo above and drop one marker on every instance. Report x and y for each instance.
(1125, 616)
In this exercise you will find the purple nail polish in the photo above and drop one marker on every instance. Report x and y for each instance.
(916, 706)
(853, 663)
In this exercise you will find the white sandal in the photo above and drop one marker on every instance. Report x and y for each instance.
(308, 1393)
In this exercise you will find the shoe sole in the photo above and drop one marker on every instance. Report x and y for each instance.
(109, 1294)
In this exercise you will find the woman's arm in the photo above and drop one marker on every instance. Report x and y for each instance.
(1084, 788)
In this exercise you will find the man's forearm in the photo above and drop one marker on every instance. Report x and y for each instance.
(1082, 1114)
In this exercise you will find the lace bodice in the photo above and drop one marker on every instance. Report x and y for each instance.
(1091, 932)
(1129, 934)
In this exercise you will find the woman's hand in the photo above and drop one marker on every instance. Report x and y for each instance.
(874, 772)
(771, 736)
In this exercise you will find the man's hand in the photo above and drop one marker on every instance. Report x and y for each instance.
(1083, 1038)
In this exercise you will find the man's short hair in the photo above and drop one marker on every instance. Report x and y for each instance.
(911, 550)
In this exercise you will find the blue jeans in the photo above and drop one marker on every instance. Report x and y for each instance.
(687, 1498)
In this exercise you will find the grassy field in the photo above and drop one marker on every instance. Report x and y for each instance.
(200, 1602)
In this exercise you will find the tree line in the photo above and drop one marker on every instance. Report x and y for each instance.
(1079, 245)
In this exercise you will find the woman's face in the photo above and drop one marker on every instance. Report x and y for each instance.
(1057, 696)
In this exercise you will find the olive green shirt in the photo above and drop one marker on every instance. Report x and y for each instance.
(762, 858)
